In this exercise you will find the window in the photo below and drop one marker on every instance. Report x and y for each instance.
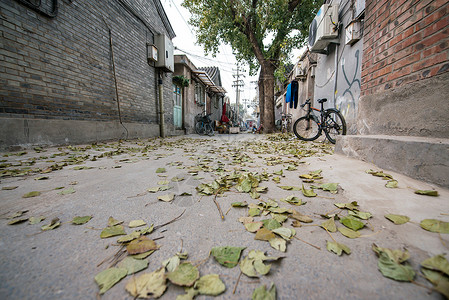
(199, 94)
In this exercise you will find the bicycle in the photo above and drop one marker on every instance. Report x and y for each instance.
(310, 127)
(286, 123)
(203, 124)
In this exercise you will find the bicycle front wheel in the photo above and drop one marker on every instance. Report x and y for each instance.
(306, 128)
(199, 128)
(334, 124)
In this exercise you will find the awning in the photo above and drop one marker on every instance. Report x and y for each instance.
(205, 79)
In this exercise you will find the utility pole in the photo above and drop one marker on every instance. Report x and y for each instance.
(238, 83)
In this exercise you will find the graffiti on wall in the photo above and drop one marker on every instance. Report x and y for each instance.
(347, 102)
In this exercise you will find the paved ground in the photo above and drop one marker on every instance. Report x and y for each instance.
(62, 263)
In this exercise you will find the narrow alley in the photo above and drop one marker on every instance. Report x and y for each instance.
(202, 193)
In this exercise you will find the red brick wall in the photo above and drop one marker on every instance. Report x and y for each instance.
(404, 41)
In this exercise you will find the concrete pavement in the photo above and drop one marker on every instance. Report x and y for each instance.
(62, 263)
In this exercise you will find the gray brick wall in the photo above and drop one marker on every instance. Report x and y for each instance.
(60, 68)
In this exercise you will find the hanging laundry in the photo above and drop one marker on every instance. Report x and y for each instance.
(292, 94)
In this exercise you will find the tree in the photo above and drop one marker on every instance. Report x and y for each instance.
(260, 32)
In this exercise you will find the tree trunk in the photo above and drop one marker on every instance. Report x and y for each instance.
(266, 96)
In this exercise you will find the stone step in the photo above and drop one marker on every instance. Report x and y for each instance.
(421, 158)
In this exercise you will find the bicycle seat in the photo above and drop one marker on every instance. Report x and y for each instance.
(322, 100)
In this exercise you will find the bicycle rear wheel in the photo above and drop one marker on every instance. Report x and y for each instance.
(199, 128)
(306, 128)
(334, 124)
(208, 129)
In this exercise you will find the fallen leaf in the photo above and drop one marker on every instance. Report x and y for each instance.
(113, 222)
(329, 225)
(433, 225)
(308, 192)
(338, 248)
(161, 170)
(210, 285)
(109, 277)
(227, 256)
(31, 194)
(271, 224)
(253, 226)
(351, 206)
(68, 191)
(42, 178)
(300, 217)
(17, 214)
(262, 293)
(112, 231)
(264, 234)
(136, 223)
(167, 197)
(129, 237)
(329, 187)
(349, 232)
(53, 224)
(399, 256)
(153, 189)
(293, 200)
(360, 214)
(352, 223)
(439, 280)
(165, 188)
(148, 285)
(163, 182)
(390, 266)
(171, 263)
(296, 224)
(245, 220)
(397, 219)
(142, 255)
(141, 245)
(427, 192)
(184, 275)
(279, 244)
(253, 266)
(17, 220)
(254, 212)
(9, 188)
(239, 204)
(437, 263)
(36, 220)
(133, 265)
(392, 184)
(285, 233)
(81, 220)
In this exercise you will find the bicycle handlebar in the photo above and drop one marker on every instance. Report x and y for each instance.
(305, 103)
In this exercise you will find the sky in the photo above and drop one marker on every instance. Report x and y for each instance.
(185, 40)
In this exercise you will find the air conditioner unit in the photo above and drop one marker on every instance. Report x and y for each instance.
(165, 59)
(298, 72)
(323, 28)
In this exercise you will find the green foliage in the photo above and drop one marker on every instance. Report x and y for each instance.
(181, 81)
(256, 30)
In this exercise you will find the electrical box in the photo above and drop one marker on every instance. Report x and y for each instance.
(151, 53)
(353, 32)
(165, 59)
(324, 27)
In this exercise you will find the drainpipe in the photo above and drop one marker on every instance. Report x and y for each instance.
(161, 107)
(336, 75)
(205, 101)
